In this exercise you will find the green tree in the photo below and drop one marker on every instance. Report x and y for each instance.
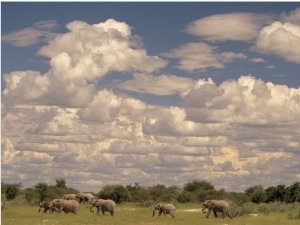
(10, 190)
(42, 190)
(257, 194)
(197, 185)
(134, 192)
(157, 191)
(293, 193)
(61, 183)
(118, 193)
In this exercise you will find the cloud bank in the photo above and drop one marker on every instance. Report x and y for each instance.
(64, 124)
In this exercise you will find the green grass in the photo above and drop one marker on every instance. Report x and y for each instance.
(129, 214)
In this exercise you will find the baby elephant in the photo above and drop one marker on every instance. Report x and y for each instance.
(165, 209)
(216, 206)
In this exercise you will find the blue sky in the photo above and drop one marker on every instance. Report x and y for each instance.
(108, 92)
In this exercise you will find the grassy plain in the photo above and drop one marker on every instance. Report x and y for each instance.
(132, 214)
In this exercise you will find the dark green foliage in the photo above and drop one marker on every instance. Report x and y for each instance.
(42, 190)
(118, 193)
(292, 193)
(61, 183)
(197, 185)
(257, 194)
(186, 196)
(10, 190)
(134, 192)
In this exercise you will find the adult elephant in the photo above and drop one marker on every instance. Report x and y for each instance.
(216, 206)
(103, 205)
(67, 206)
(85, 197)
(165, 209)
(69, 197)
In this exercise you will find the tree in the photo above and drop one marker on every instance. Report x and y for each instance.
(197, 185)
(256, 193)
(118, 193)
(61, 182)
(10, 190)
(134, 191)
(42, 190)
(293, 193)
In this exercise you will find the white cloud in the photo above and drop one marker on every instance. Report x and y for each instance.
(104, 107)
(280, 39)
(59, 124)
(77, 59)
(257, 60)
(157, 85)
(246, 100)
(94, 50)
(233, 26)
(41, 31)
(199, 56)
(292, 17)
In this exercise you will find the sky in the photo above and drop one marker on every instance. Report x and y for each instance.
(105, 93)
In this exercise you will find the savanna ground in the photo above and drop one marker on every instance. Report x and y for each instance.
(130, 213)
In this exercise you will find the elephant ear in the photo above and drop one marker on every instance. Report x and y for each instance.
(211, 203)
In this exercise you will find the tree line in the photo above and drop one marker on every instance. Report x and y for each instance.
(192, 192)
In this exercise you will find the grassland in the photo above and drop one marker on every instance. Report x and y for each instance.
(133, 214)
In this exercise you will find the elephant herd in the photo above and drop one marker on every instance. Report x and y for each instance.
(70, 203)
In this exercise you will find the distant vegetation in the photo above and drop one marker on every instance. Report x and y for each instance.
(255, 199)
(192, 192)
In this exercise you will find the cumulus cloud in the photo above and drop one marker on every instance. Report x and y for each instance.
(216, 129)
(39, 32)
(246, 100)
(282, 39)
(157, 85)
(233, 26)
(199, 56)
(63, 124)
(292, 17)
(77, 59)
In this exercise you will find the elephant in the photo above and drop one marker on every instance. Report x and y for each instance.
(216, 206)
(46, 206)
(66, 206)
(69, 197)
(165, 209)
(103, 205)
(85, 197)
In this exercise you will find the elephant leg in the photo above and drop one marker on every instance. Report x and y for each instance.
(208, 213)
(215, 213)
(103, 212)
(160, 212)
(227, 213)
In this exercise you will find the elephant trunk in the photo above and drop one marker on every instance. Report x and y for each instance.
(153, 212)
(203, 210)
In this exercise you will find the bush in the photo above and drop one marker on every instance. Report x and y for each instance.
(294, 211)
